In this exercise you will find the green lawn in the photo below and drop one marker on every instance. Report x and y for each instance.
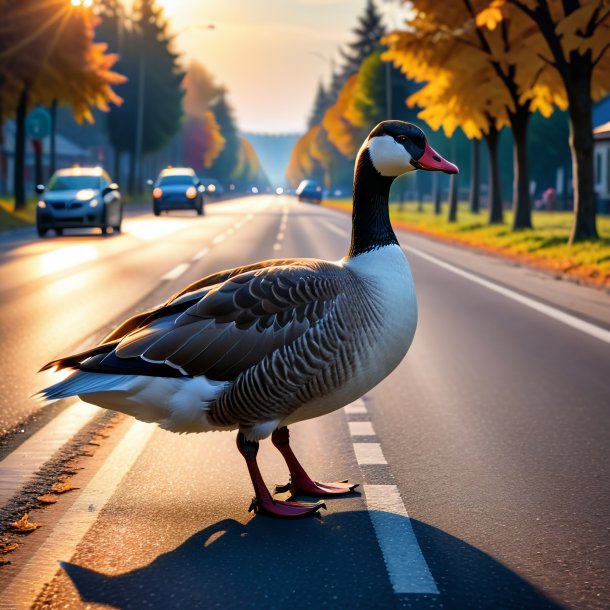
(545, 246)
(11, 219)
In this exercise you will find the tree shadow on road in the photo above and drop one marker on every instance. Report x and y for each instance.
(305, 564)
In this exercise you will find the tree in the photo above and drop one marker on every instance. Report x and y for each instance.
(368, 33)
(48, 53)
(248, 172)
(202, 141)
(345, 135)
(227, 160)
(577, 37)
(321, 104)
(483, 76)
(369, 104)
(153, 95)
(200, 89)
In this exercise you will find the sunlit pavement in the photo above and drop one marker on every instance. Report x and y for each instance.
(491, 435)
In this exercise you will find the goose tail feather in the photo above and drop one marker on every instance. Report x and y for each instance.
(83, 382)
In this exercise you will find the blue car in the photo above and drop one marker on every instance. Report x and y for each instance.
(79, 197)
(310, 191)
(178, 188)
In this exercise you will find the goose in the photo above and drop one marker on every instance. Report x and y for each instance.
(263, 346)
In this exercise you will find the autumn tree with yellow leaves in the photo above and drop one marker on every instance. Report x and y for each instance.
(47, 53)
(478, 79)
(202, 140)
(576, 39)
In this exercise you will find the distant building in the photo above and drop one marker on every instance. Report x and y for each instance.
(67, 153)
(602, 167)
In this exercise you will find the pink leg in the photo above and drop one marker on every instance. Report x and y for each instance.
(263, 501)
(299, 479)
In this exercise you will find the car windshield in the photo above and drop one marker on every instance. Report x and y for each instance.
(174, 180)
(69, 183)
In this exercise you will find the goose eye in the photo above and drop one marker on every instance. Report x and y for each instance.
(402, 139)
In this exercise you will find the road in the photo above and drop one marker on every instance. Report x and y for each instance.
(482, 458)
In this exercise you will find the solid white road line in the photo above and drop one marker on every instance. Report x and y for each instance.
(176, 272)
(565, 318)
(361, 428)
(75, 523)
(218, 238)
(407, 568)
(369, 454)
(19, 466)
(335, 229)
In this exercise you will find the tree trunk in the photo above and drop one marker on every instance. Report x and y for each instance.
(19, 175)
(38, 177)
(53, 143)
(453, 198)
(475, 177)
(496, 215)
(3, 176)
(522, 213)
(581, 145)
(131, 180)
(116, 174)
(436, 193)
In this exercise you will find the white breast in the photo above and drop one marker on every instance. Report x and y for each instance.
(391, 293)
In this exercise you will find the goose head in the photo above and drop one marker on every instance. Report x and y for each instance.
(396, 147)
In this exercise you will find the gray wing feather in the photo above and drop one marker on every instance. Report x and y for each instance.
(238, 322)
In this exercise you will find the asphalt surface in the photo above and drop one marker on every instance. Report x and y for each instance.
(494, 429)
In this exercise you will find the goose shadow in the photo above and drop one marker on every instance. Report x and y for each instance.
(334, 561)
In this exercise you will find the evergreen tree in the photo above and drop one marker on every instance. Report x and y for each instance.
(368, 33)
(321, 104)
(226, 162)
(154, 88)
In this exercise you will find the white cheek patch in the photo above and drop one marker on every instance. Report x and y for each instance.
(388, 156)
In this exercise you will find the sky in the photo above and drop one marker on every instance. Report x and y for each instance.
(269, 54)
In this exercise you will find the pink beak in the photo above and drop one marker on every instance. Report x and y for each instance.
(433, 162)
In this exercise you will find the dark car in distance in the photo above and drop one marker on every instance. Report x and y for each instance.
(79, 197)
(178, 188)
(310, 191)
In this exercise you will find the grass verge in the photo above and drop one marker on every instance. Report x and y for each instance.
(14, 219)
(544, 247)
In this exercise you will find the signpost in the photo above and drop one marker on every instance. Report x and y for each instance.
(38, 126)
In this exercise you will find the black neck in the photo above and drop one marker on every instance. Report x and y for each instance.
(371, 228)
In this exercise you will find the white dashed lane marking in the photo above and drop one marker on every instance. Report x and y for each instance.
(281, 232)
(176, 272)
(200, 254)
(405, 563)
(369, 454)
(361, 428)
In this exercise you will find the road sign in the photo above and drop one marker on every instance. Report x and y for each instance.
(38, 123)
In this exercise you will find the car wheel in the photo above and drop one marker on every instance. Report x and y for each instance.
(42, 231)
(59, 231)
(200, 210)
(117, 228)
(156, 211)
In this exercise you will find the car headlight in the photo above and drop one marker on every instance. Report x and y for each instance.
(157, 192)
(93, 203)
(42, 205)
(191, 192)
